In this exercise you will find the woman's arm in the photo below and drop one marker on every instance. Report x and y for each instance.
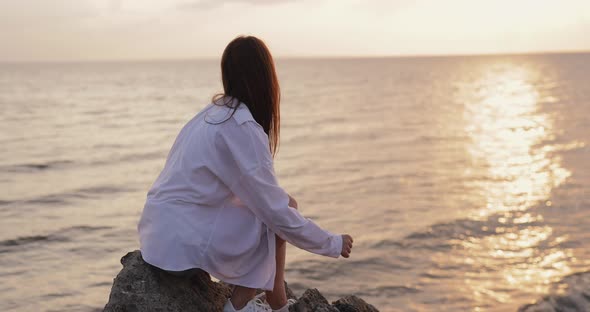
(346, 239)
(253, 181)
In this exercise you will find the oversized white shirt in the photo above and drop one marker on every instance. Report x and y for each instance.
(216, 205)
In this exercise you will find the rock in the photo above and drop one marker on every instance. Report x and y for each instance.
(142, 287)
(554, 303)
(312, 300)
(353, 304)
(571, 294)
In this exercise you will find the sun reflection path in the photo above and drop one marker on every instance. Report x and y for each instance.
(506, 130)
(509, 138)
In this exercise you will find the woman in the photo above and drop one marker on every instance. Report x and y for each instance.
(216, 206)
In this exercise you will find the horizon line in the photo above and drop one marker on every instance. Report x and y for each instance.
(296, 57)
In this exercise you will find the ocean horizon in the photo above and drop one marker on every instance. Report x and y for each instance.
(297, 57)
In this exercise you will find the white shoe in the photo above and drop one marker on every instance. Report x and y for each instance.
(254, 305)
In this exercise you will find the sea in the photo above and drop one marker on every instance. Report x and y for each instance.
(464, 180)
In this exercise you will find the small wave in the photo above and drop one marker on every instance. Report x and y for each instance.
(35, 167)
(44, 200)
(61, 235)
(101, 284)
(389, 291)
(76, 307)
(57, 295)
(129, 158)
(436, 275)
(438, 138)
(30, 168)
(81, 228)
(65, 197)
(143, 156)
(443, 236)
(477, 228)
(96, 112)
(575, 298)
(455, 229)
(104, 189)
(24, 240)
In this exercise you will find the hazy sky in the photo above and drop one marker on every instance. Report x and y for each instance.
(148, 29)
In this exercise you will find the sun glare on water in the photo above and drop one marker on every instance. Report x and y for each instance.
(511, 141)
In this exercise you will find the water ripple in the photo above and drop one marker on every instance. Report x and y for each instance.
(61, 235)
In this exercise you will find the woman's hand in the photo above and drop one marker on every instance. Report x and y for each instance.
(346, 245)
(292, 202)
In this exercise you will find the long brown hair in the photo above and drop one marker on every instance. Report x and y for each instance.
(248, 75)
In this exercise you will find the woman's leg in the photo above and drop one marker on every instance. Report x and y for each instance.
(277, 298)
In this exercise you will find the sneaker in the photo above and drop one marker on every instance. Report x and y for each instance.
(254, 305)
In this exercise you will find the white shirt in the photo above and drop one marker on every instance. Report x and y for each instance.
(216, 205)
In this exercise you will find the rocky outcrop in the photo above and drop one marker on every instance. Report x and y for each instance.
(312, 300)
(579, 302)
(142, 287)
(572, 295)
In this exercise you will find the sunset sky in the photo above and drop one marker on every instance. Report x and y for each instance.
(37, 30)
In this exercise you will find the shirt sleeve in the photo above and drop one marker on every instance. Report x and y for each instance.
(257, 187)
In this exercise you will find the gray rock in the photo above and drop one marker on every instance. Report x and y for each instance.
(571, 294)
(353, 304)
(142, 287)
(579, 302)
(312, 301)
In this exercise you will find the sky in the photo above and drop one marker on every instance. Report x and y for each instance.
(77, 30)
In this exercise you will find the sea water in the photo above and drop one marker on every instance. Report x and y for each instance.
(463, 180)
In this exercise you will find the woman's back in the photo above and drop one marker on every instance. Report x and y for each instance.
(190, 176)
(184, 205)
